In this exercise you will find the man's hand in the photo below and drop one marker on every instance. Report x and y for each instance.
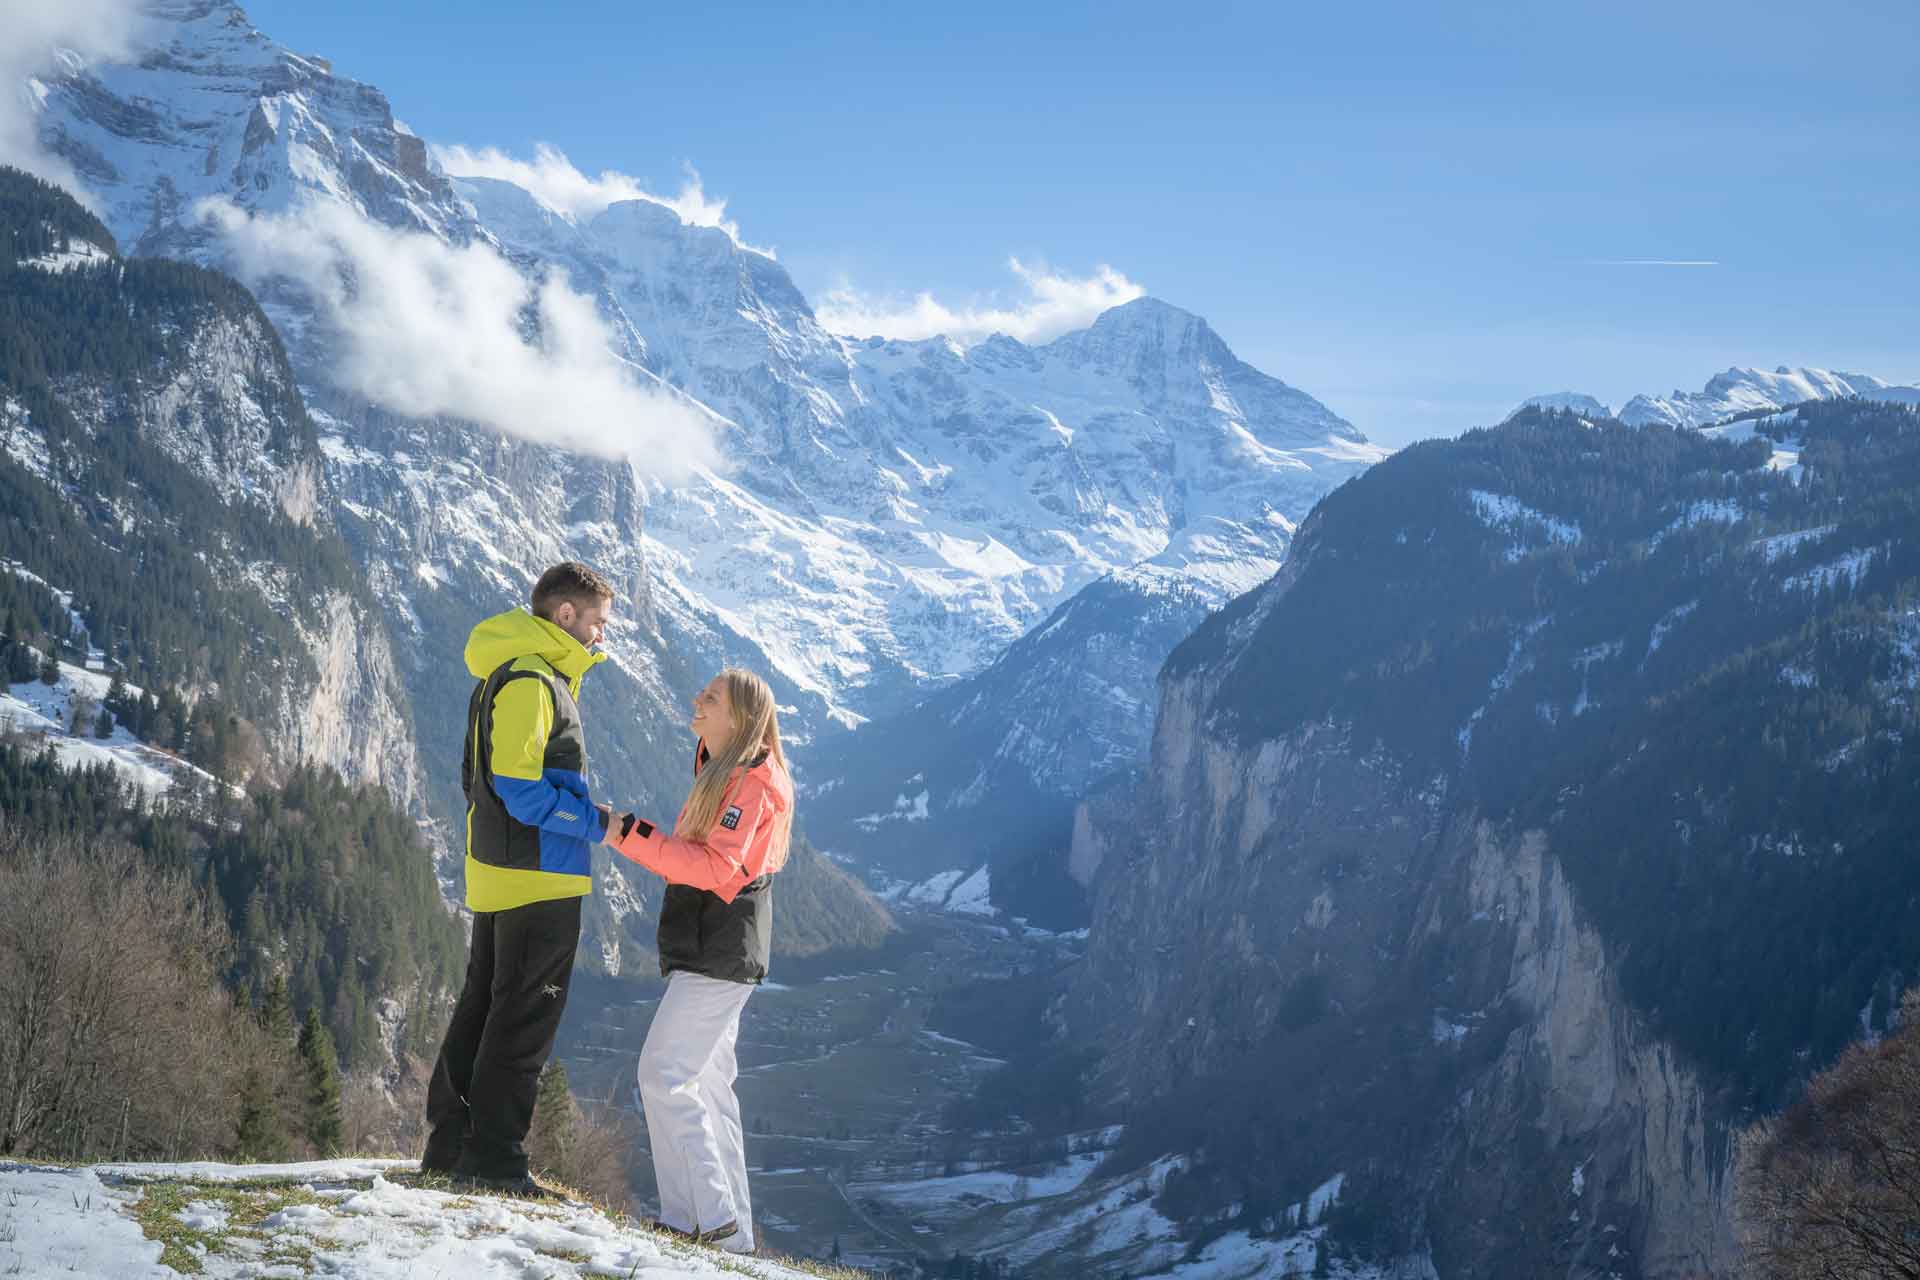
(606, 816)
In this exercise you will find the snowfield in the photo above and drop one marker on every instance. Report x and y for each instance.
(341, 1218)
(42, 714)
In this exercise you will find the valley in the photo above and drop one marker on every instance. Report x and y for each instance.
(844, 1082)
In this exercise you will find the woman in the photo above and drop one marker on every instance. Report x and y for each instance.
(716, 924)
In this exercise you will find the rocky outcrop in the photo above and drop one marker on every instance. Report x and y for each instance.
(354, 714)
(1633, 1153)
(1567, 1137)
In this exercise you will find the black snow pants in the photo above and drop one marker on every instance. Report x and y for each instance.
(480, 1101)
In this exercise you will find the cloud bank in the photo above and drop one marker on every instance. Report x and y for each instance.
(40, 38)
(425, 328)
(552, 178)
(1052, 304)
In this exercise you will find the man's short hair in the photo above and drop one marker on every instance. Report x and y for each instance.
(568, 580)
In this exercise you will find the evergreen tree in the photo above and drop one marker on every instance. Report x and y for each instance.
(551, 1140)
(103, 724)
(49, 668)
(260, 1135)
(276, 1014)
(325, 1126)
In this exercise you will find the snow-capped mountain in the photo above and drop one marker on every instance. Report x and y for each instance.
(1566, 402)
(934, 501)
(1741, 390)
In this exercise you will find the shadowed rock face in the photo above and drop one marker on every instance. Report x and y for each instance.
(1466, 844)
(1233, 872)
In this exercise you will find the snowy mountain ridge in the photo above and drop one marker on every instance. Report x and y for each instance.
(934, 500)
(1743, 390)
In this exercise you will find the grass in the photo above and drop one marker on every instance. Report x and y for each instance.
(248, 1205)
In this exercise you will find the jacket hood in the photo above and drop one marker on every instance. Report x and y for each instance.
(518, 634)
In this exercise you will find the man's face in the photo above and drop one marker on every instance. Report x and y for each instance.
(586, 623)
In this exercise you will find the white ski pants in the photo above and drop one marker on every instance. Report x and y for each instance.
(687, 1071)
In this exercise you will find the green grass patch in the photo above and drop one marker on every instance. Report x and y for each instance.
(247, 1206)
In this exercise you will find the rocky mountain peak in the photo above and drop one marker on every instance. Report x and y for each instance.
(1742, 390)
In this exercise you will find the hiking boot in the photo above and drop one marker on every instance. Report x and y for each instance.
(714, 1235)
(444, 1148)
(521, 1185)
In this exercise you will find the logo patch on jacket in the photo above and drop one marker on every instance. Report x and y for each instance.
(731, 818)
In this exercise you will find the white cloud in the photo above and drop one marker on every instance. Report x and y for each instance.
(425, 328)
(1053, 304)
(42, 37)
(552, 178)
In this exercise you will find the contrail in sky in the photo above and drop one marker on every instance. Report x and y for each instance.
(1650, 262)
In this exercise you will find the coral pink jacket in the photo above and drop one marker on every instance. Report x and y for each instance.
(736, 851)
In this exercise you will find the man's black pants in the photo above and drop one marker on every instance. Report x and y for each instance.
(480, 1101)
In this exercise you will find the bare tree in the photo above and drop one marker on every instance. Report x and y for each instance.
(1831, 1187)
(116, 1036)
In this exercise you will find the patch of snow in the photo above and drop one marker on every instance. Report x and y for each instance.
(970, 897)
(1502, 511)
(1667, 622)
(78, 254)
(1849, 567)
(1576, 402)
(1502, 680)
(904, 810)
(1785, 544)
(78, 1221)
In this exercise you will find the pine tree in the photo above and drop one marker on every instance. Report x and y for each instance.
(260, 1136)
(276, 1014)
(550, 1143)
(103, 724)
(49, 669)
(325, 1125)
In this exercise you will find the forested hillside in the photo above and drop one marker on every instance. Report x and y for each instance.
(324, 886)
(181, 584)
(157, 520)
(1689, 656)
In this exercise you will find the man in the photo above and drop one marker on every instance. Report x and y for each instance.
(531, 829)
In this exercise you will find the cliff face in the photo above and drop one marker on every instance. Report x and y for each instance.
(1633, 1152)
(1561, 1133)
(1548, 812)
(354, 717)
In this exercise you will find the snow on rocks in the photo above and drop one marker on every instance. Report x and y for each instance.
(1502, 511)
(1575, 402)
(344, 1218)
(44, 713)
(1741, 390)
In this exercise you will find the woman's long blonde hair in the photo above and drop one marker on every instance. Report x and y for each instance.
(757, 729)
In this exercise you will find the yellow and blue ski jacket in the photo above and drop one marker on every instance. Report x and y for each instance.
(531, 823)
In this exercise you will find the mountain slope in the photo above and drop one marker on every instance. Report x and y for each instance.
(934, 502)
(1546, 809)
(160, 466)
(938, 500)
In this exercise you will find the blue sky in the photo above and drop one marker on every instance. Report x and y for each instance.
(1418, 213)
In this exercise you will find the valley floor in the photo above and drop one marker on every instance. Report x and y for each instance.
(845, 1088)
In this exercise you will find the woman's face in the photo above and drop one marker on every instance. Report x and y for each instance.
(713, 720)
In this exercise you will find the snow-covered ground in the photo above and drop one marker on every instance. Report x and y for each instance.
(43, 713)
(341, 1218)
(959, 890)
